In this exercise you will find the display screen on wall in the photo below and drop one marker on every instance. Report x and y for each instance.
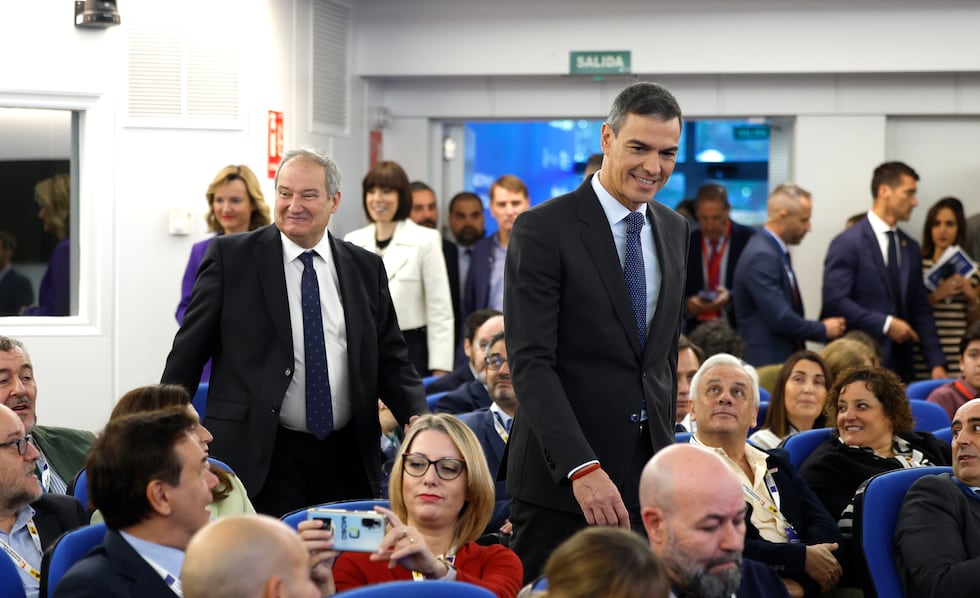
(550, 157)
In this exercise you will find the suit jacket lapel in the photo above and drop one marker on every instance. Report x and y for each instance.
(268, 259)
(671, 250)
(48, 528)
(598, 240)
(346, 272)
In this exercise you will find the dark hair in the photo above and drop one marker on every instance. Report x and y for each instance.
(716, 337)
(711, 192)
(885, 385)
(955, 206)
(419, 186)
(684, 343)
(500, 337)
(131, 452)
(475, 320)
(890, 174)
(464, 196)
(972, 334)
(7, 241)
(643, 98)
(162, 396)
(389, 176)
(776, 420)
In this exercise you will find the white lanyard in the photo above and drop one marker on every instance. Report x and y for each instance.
(21, 561)
(772, 506)
(172, 582)
(498, 425)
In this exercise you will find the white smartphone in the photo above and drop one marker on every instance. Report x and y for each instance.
(355, 531)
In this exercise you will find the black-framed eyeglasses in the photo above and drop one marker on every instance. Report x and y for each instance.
(20, 443)
(417, 465)
(495, 362)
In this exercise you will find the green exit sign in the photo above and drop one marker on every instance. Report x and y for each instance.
(599, 63)
(751, 132)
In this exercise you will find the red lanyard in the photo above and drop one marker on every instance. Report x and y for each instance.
(712, 263)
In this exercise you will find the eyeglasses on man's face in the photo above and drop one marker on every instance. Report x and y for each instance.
(20, 444)
(496, 361)
(417, 465)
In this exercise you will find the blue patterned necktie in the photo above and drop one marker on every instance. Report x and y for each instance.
(635, 274)
(319, 406)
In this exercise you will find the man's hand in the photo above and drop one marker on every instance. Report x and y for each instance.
(900, 331)
(600, 501)
(794, 589)
(821, 565)
(939, 373)
(835, 327)
(695, 305)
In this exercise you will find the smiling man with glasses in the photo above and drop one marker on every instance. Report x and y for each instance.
(29, 519)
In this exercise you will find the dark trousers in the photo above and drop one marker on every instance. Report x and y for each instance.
(418, 349)
(305, 472)
(539, 530)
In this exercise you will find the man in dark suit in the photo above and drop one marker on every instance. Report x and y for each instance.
(16, 291)
(789, 529)
(470, 369)
(872, 276)
(149, 477)
(492, 424)
(712, 256)
(591, 276)
(303, 344)
(485, 279)
(472, 395)
(29, 519)
(425, 212)
(766, 294)
(937, 535)
(698, 528)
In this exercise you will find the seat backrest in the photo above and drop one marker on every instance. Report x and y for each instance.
(761, 417)
(11, 585)
(921, 389)
(200, 400)
(799, 446)
(81, 489)
(928, 416)
(879, 509)
(214, 462)
(66, 551)
(429, 589)
(293, 519)
(682, 437)
(434, 397)
(944, 434)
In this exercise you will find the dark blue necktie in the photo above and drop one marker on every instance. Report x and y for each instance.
(635, 274)
(893, 274)
(319, 406)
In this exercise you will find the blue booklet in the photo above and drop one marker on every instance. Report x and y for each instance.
(953, 261)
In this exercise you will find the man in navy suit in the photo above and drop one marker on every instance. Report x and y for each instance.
(766, 295)
(712, 256)
(938, 530)
(473, 365)
(492, 424)
(592, 301)
(149, 477)
(872, 277)
(472, 395)
(247, 313)
(789, 529)
(485, 280)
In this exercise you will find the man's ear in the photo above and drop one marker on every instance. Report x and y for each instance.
(274, 588)
(467, 347)
(655, 524)
(158, 495)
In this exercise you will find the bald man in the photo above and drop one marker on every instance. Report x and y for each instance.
(248, 556)
(694, 515)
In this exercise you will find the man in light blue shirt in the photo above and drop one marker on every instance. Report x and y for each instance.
(149, 476)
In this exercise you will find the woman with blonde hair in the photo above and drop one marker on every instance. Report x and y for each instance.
(53, 196)
(235, 205)
(441, 500)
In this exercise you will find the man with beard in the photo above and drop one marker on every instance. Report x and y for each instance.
(466, 221)
(61, 451)
(694, 516)
(473, 395)
(492, 424)
(30, 520)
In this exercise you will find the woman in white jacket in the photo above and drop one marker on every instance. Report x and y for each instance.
(416, 268)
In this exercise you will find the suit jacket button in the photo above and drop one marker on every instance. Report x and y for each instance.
(634, 417)
(288, 372)
(276, 408)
